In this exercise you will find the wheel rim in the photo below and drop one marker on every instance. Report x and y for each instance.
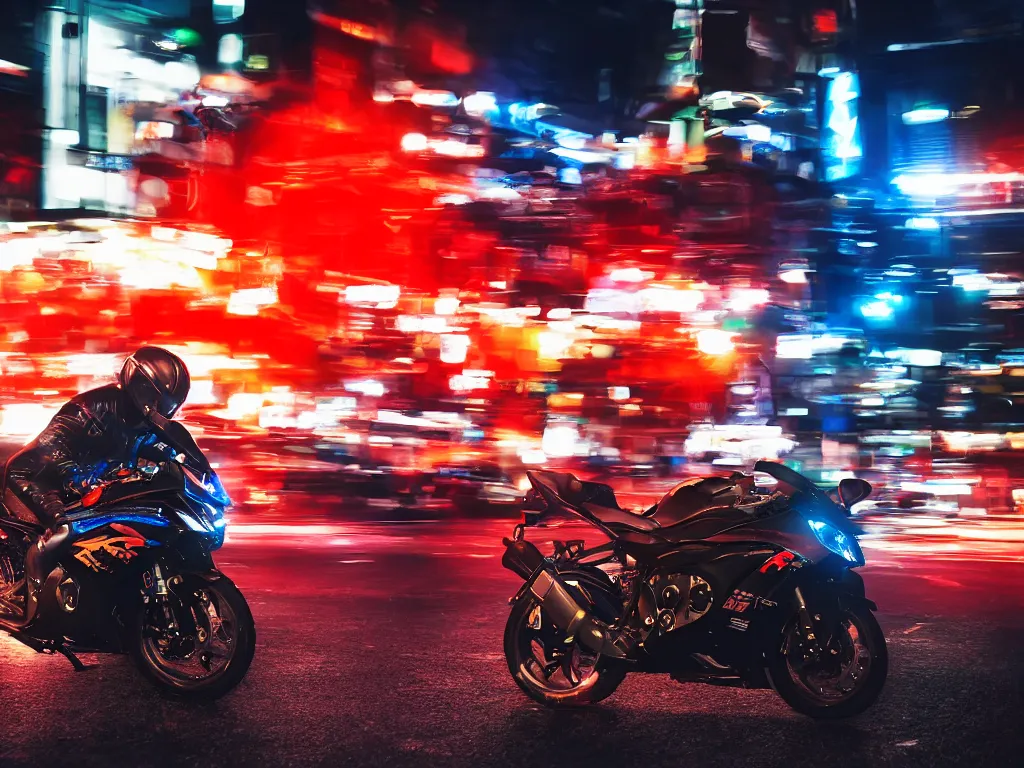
(197, 659)
(840, 672)
(547, 663)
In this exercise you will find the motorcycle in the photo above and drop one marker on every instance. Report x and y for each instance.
(721, 582)
(129, 569)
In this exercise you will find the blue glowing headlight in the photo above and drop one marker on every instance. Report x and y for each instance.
(207, 489)
(216, 490)
(836, 541)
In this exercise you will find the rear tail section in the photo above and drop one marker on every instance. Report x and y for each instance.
(521, 557)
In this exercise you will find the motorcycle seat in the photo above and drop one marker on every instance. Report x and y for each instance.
(620, 518)
(577, 491)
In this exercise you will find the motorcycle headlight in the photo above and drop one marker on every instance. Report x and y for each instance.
(195, 522)
(215, 488)
(837, 542)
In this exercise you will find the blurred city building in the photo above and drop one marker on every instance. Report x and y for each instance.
(627, 237)
(21, 111)
(107, 67)
(928, 230)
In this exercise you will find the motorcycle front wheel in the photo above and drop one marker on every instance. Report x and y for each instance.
(549, 671)
(199, 644)
(845, 680)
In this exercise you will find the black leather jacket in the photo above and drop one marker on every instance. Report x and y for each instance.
(93, 431)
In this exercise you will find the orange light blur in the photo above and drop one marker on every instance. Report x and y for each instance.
(349, 27)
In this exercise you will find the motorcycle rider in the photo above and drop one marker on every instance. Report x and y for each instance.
(94, 431)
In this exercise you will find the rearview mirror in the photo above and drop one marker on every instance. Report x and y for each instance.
(852, 490)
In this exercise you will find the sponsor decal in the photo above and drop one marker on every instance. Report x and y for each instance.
(739, 625)
(100, 553)
(739, 601)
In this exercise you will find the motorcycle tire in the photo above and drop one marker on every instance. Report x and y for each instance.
(609, 675)
(147, 659)
(803, 701)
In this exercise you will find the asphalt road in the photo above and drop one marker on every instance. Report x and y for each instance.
(381, 645)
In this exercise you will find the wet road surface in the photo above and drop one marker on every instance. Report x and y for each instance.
(381, 645)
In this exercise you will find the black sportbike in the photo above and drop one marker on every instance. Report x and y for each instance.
(129, 569)
(720, 582)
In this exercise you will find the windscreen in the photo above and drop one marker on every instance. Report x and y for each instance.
(201, 482)
(206, 487)
(181, 440)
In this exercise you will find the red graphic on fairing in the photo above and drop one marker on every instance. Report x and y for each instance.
(779, 562)
(94, 552)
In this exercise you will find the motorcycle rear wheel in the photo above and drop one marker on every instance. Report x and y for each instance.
(211, 664)
(597, 682)
(862, 664)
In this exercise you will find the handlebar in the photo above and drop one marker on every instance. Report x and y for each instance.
(144, 470)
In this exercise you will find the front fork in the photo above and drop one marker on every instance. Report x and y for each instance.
(808, 625)
(160, 591)
(820, 621)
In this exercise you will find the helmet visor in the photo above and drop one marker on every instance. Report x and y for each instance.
(145, 392)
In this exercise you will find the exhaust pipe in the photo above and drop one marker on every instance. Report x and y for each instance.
(525, 560)
(572, 618)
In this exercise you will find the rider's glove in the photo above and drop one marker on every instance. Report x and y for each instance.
(49, 506)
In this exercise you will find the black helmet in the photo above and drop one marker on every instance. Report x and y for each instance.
(156, 381)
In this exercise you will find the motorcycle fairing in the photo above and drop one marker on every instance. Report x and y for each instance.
(751, 635)
(120, 544)
(105, 555)
(727, 568)
(139, 516)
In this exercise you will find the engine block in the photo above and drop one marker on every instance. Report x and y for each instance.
(681, 599)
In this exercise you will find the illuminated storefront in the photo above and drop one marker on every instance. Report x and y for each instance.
(107, 67)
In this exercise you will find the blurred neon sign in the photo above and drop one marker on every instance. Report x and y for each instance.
(842, 145)
(381, 296)
(10, 68)
(480, 103)
(825, 23)
(350, 27)
(257, 62)
(429, 98)
(921, 222)
(932, 185)
(464, 383)
(924, 116)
